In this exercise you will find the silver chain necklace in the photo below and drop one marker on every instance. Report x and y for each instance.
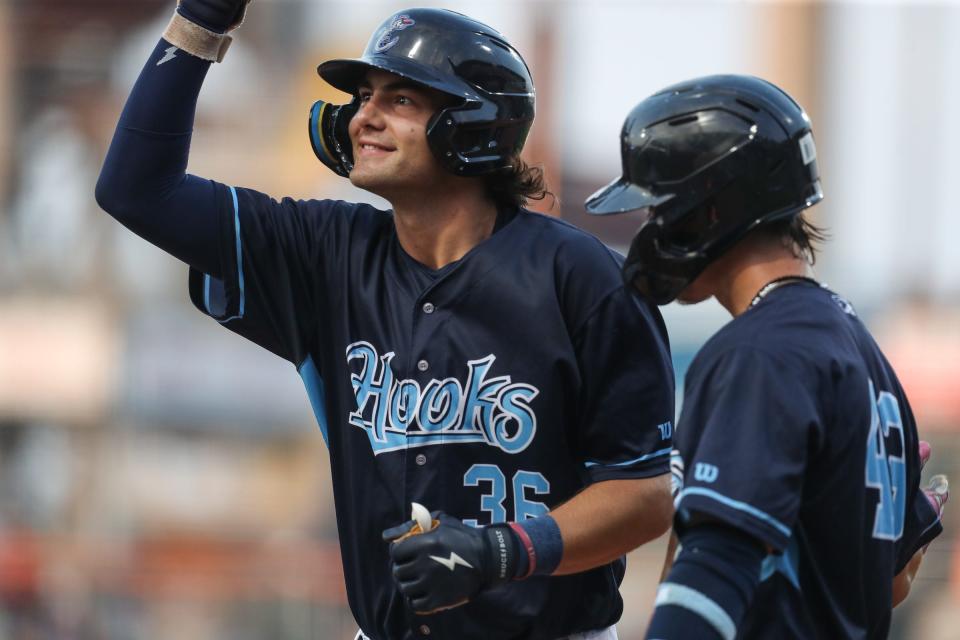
(779, 282)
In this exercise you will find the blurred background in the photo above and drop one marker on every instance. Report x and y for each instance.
(162, 478)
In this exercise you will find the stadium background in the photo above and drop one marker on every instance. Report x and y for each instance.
(161, 478)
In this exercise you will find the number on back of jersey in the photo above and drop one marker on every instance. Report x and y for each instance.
(885, 469)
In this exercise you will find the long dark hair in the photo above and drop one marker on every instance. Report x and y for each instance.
(802, 236)
(517, 185)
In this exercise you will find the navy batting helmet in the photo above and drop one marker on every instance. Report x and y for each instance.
(707, 161)
(493, 107)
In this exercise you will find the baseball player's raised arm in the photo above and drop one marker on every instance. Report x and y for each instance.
(143, 182)
(250, 255)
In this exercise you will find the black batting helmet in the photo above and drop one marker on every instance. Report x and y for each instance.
(485, 127)
(707, 161)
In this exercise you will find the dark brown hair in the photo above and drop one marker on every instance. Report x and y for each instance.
(517, 185)
(800, 235)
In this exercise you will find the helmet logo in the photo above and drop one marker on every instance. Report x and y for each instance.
(388, 39)
(808, 151)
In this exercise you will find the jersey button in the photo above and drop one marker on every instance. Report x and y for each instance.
(428, 307)
(424, 629)
(423, 365)
(421, 459)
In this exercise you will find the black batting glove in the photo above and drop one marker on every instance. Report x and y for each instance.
(215, 15)
(450, 564)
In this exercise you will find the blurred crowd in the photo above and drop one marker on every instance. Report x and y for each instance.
(160, 478)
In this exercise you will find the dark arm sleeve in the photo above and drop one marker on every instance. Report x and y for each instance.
(626, 421)
(253, 260)
(710, 586)
(143, 182)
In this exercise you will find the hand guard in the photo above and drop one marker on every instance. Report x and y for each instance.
(451, 563)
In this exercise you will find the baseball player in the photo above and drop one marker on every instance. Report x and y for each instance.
(459, 351)
(799, 511)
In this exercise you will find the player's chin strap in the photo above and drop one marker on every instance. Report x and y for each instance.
(329, 137)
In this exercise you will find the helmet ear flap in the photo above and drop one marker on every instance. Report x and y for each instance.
(655, 269)
(467, 141)
(329, 137)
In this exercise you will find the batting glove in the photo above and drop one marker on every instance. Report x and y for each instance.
(219, 16)
(450, 564)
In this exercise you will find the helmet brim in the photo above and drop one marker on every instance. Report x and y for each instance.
(621, 196)
(346, 74)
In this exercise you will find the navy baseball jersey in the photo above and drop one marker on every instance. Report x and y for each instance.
(795, 430)
(493, 389)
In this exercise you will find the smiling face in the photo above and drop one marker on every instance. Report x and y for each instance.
(389, 136)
